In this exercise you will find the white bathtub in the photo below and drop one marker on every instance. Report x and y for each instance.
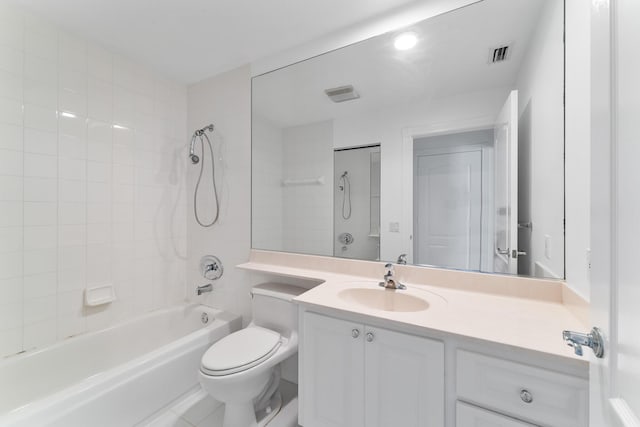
(114, 377)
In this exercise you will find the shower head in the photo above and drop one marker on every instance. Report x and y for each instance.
(198, 133)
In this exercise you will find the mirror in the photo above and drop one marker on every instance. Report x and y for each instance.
(442, 142)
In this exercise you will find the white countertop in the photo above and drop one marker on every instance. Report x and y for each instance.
(524, 322)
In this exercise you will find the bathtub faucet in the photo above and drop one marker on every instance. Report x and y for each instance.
(204, 288)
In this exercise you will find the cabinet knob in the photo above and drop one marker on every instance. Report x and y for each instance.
(355, 333)
(526, 396)
(369, 337)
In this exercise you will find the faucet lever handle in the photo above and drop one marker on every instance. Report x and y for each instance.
(389, 273)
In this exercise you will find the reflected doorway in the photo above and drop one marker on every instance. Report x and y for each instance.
(452, 186)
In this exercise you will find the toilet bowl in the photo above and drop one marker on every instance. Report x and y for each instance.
(241, 370)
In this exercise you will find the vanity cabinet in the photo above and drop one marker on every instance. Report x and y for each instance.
(358, 375)
(472, 416)
(529, 393)
(355, 374)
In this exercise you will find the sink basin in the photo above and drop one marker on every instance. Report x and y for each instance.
(383, 299)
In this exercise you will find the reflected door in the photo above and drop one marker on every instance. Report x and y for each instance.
(448, 192)
(505, 259)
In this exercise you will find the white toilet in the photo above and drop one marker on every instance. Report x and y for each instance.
(242, 369)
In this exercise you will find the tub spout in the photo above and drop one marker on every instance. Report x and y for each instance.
(204, 288)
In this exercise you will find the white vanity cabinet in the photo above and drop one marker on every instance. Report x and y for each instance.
(540, 396)
(472, 416)
(356, 375)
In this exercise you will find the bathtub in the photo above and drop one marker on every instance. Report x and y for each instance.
(113, 377)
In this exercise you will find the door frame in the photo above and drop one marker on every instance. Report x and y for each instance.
(409, 134)
(607, 407)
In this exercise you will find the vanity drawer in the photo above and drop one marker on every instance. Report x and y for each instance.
(537, 395)
(472, 416)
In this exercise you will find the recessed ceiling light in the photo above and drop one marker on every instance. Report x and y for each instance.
(68, 114)
(405, 41)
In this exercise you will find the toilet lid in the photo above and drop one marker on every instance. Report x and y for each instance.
(240, 351)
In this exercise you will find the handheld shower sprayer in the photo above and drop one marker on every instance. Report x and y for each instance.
(198, 133)
(195, 159)
(342, 177)
(345, 187)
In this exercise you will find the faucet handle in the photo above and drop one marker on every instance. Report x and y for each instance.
(389, 267)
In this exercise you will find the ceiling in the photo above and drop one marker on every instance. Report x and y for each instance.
(451, 58)
(189, 41)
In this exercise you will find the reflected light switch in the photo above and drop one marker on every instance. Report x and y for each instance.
(394, 227)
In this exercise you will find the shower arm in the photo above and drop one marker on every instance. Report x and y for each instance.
(197, 133)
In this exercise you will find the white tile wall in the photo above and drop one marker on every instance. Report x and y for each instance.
(307, 218)
(90, 171)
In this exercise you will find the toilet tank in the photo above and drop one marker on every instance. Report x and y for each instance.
(273, 308)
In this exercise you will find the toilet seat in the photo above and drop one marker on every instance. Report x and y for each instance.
(240, 351)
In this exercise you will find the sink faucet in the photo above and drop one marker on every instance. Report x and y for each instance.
(390, 281)
(204, 288)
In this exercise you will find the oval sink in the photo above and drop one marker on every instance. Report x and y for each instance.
(383, 299)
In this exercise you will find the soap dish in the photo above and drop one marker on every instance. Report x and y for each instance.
(99, 295)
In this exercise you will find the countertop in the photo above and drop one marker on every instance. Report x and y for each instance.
(520, 321)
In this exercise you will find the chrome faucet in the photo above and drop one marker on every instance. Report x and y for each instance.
(390, 281)
(402, 259)
(204, 288)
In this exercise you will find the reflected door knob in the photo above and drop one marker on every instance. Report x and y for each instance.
(369, 337)
(517, 253)
(355, 333)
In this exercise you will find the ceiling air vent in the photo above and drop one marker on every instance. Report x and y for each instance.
(342, 93)
(499, 54)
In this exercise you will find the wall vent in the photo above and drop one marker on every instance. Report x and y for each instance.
(499, 54)
(342, 93)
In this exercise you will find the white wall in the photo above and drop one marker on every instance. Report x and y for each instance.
(578, 140)
(223, 100)
(83, 203)
(267, 218)
(541, 132)
(308, 209)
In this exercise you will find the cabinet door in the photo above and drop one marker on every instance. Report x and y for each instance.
(331, 381)
(472, 416)
(404, 380)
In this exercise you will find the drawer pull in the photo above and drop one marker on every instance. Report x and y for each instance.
(355, 333)
(526, 396)
(369, 337)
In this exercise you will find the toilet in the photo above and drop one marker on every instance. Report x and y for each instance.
(242, 369)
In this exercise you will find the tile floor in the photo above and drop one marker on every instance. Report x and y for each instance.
(197, 409)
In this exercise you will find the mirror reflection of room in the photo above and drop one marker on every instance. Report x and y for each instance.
(469, 120)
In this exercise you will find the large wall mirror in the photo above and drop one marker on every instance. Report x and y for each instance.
(441, 144)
